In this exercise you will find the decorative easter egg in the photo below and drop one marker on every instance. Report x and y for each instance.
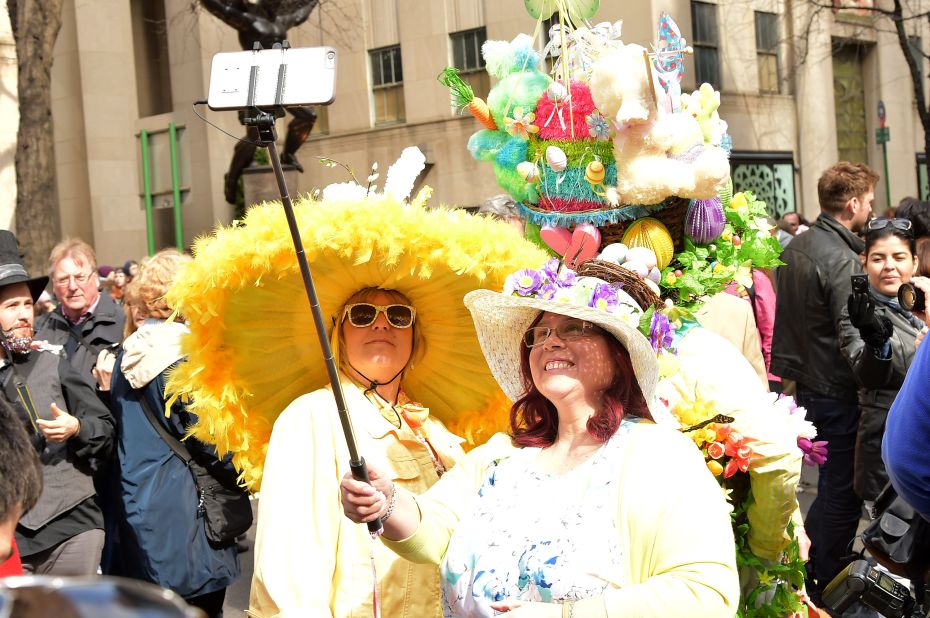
(654, 275)
(652, 285)
(643, 255)
(705, 220)
(614, 252)
(528, 171)
(556, 158)
(595, 172)
(651, 233)
(637, 267)
(557, 92)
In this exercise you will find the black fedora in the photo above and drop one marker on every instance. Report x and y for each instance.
(12, 269)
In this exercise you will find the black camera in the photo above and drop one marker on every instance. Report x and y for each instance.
(911, 297)
(861, 581)
(860, 283)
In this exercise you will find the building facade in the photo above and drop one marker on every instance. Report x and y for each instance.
(800, 88)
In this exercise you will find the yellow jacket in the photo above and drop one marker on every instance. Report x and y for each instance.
(310, 560)
(674, 525)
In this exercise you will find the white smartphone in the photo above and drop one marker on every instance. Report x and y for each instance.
(308, 76)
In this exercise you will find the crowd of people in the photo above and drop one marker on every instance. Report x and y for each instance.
(568, 512)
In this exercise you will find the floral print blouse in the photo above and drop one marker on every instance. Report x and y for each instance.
(534, 536)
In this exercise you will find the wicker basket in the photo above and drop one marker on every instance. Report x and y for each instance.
(628, 280)
(671, 213)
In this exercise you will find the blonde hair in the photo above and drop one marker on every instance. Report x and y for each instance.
(76, 249)
(364, 295)
(130, 300)
(154, 279)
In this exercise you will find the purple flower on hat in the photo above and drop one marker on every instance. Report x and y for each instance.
(547, 291)
(604, 297)
(566, 278)
(815, 453)
(661, 332)
(550, 270)
(524, 282)
(598, 127)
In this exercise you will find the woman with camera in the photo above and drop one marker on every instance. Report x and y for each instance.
(878, 337)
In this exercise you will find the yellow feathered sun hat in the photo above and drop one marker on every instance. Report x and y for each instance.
(253, 348)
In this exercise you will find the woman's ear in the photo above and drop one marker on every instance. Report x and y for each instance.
(862, 259)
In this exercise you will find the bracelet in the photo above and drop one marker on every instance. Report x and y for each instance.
(568, 609)
(391, 504)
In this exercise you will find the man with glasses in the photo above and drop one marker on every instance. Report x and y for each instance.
(62, 534)
(85, 321)
(813, 288)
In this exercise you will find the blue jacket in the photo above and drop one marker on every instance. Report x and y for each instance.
(162, 539)
(907, 433)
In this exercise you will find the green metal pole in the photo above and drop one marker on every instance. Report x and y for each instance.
(176, 186)
(147, 190)
(887, 180)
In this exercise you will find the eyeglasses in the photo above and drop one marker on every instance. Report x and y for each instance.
(568, 330)
(364, 314)
(80, 279)
(904, 225)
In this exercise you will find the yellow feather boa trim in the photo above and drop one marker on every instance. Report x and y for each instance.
(253, 348)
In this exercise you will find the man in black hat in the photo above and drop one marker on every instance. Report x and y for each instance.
(69, 426)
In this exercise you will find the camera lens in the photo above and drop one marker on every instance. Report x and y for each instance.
(911, 298)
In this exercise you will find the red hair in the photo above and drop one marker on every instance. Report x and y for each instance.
(534, 421)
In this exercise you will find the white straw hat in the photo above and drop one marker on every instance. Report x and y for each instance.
(501, 320)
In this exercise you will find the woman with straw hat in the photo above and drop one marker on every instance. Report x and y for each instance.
(392, 276)
(595, 510)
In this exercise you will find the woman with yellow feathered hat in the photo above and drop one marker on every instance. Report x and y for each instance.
(392, 276)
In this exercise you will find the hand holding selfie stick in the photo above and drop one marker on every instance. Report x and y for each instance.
(264, 122)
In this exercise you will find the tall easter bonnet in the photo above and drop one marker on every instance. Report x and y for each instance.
(611, 160)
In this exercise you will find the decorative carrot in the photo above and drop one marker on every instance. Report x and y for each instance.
(464, 97)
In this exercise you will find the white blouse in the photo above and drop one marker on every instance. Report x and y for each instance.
(535, 536)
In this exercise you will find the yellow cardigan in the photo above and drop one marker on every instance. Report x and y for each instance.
(673, 520)
(310, 560)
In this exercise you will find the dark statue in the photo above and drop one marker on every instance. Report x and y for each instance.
(265, 22)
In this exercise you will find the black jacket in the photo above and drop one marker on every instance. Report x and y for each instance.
(84, 342)
(67, 506)
(813, 289)
(879, 380)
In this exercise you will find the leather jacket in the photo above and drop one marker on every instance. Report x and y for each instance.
(813, 288)
(880, 380)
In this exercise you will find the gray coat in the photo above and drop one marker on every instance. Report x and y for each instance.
(879, 381)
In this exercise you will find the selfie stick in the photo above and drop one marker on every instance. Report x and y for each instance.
(264, 123)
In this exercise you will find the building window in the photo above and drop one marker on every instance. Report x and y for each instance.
(767, 52)
(467, 58)
(387, 84)
(916, 47)
(150, 48)
(769, 175)
(706, 43)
